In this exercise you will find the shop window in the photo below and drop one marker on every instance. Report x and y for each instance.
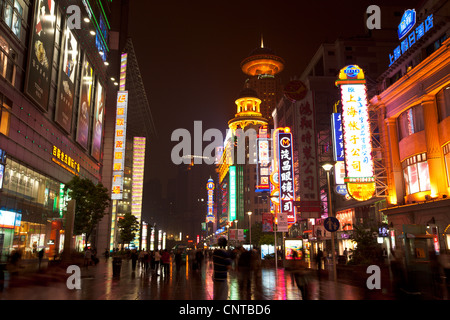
(410, 122)
(12, 15)
(446, 150)
(7, 61)
(443, 103)
(5, 115)
(416, 174)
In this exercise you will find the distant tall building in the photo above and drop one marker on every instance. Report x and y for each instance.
(263, 66)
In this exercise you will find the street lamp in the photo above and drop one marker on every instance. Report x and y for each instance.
(327, 166)
(250, 226)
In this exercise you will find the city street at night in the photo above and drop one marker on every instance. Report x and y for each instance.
(225, 159)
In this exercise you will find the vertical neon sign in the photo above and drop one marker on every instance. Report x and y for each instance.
(357, 142)
(138, 176)
(286, 174)
(210, 202)
(232, 183)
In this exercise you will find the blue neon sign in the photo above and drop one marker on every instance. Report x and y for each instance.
(338, 137)
(406, 23)
(412, 38)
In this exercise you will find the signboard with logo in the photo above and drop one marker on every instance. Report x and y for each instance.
(409, 33)
(295, 90)
(282, 222)
(338, 137)
(359, 165)
(286, 175)
(263, 163)
(232, 193)
(119, 145)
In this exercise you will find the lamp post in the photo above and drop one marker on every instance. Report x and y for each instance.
(327, 166)
(250, 226)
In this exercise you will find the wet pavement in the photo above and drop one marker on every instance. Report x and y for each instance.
(98, 283)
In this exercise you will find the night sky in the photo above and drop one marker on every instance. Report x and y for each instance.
(189, 53)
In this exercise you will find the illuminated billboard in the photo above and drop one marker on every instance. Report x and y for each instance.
(137, 186)
(263, 163)
(359, 165)
(210, 202)
(232, 194)
(119, 145)
(286, 174)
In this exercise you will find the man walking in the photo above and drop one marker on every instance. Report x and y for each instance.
(222, 263)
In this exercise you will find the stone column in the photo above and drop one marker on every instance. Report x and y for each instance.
(434, 151)
(397, 191)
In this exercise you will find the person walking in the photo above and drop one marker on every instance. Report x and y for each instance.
(165, 260)
(222, 263)
(157, 258)
(87, 257)
(244, 271)
(178, 260)
(134, 259)
(199, 259)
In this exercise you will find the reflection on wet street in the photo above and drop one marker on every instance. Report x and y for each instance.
(98, 283)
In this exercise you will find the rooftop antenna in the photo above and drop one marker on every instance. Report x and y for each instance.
(262, 41)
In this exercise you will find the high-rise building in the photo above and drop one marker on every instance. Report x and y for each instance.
(262, 66)
(53, 96)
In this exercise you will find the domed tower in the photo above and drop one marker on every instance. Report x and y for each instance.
(263, 66)
(248, 111)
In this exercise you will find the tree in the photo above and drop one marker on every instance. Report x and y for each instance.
(128, 226)
(367, 251)
(91, 202)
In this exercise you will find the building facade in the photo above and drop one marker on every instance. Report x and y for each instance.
(412, 104)
(52, 87)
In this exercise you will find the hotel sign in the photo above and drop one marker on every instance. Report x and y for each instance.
(210, 202)
(119, 145)
(407, 23)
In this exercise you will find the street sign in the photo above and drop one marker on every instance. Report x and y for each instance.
(331, 224)
(282, 222)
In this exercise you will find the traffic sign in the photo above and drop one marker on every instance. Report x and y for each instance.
(331, 224)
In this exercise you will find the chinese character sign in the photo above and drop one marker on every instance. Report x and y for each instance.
(308, 189)
(210, 202)
(119, 145)
(286, 175)
(338, 137)
(263, 164)
(357, 141)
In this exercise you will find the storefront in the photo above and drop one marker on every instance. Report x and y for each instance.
(31, 210)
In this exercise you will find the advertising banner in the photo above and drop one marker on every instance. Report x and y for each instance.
(267, 222)
(41, 53)
(99, 113)
(282, 222)
(66, 83)
(84, 107)
(119, 145)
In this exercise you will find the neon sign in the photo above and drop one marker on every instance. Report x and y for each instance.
(406, 25)
(286, 175)
(263, 164)
(232, 202)
(359, 166)
(338, 138)
(119, 145)
(210, 202)
(65, 161)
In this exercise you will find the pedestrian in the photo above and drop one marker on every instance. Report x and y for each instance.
(157, 258)
(87, 257)
(222, 263)
(245, 270)
(141, 258)
(40, 256)
(178, 260)
(346, 255)
(106, 254)
(319, 256)
(165, 260)
(134, 259)
(147, 258)
(199, 259)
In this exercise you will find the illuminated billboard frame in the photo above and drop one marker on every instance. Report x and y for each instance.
(286, 174)
(210, 203)
(359, 165)
(232, 192)
(119, 145)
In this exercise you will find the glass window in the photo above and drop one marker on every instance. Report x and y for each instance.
(443, 103)
(5, 115)
(410, 122)
(416, 174)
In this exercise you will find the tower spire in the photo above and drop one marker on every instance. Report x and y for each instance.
(262, 41)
